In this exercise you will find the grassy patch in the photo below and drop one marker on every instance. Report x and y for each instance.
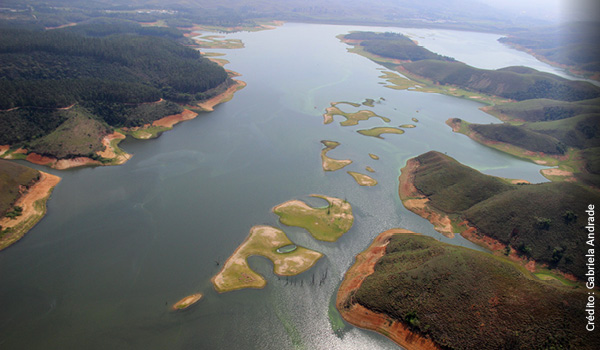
(325, 223)
(378, 131)
(330, 164)
(14, 177)
(362, 179)
(263, 241)
(351, 118)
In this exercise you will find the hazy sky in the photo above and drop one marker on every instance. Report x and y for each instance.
(555, 10)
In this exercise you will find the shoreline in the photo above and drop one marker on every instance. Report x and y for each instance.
(33, 203)
(210, 104)
(361, 317)
(416, 202)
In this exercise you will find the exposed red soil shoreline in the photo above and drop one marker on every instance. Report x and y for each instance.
(416, 202)
(362, 317)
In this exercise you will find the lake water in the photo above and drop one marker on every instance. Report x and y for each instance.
(121, 244)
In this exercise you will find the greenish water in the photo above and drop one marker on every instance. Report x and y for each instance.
(121, 244)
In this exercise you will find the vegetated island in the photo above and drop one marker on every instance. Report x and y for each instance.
(374, 156)
(538, 225)
(187, 302)
(362, 179)
(327, 223)
(23, 195)
(351, 118)
(264, 241)
(379, 130)
(425, 294)
(330, 164)
(67, 103)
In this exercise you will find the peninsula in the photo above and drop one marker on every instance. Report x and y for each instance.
(425, 294)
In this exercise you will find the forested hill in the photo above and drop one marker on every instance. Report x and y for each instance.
(111, 71)
(517, 83)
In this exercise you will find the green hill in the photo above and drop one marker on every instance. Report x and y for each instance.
(465, 299)
(61, 90)
(536, 110)
(515, 83)
(13, 176)
(541, 221)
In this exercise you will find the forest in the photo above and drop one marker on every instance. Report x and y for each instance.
(116, 70)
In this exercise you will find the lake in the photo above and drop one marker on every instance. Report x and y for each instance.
(121, 244)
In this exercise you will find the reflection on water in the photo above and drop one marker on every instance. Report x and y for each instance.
(121, 244)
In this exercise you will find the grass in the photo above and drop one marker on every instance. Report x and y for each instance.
(374, 156)
(12, 177)
(215, 42)
(378, 131)
(80, 135)
(351, 118)
(263, 241)
(465, 299)
(362, 179)
(327, 223)
(330, 164)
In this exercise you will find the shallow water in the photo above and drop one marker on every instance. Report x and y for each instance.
(121, 244)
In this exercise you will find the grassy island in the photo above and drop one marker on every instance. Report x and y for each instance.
(362, 179)
(325, 223)
(378, 131)
(330, 164)
(424, 294)
(186, 302)
(351, 118)
(264, 241)
(374, 156)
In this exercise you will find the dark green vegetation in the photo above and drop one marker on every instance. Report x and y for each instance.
(539, 110)
(91, 77)
(517, 83)
(576, 45)
(465, 299)
(394, 45)
(533, 219)
(13, 176)
(459, 14)
(521, 137)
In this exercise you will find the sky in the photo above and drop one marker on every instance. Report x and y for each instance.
(554, 10)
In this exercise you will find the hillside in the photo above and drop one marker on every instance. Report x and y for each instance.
(572, 45)
(514, 215)
(14, 178)
(539, 110)
(517, 83)
(63, 90)
(461, 299)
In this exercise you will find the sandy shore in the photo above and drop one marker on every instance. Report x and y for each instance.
(187, 302)
(170, 120)
(33, 203)
(416, 202)
(209, 105)
(362, 317)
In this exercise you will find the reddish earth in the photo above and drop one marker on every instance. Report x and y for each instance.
(171, 120)
(362, 317)
(210, 104)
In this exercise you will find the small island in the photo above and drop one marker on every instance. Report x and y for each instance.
(362, 179)
(330, 164)
(378, 131)
(351, 118)
(186, 302)
(327, 223)
(374, 156)
(264, 241)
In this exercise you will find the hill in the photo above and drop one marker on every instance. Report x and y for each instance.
(14, 179)
(538, 110)
(63, 90)
(459, 298)
(541, 222)
(572, 45)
